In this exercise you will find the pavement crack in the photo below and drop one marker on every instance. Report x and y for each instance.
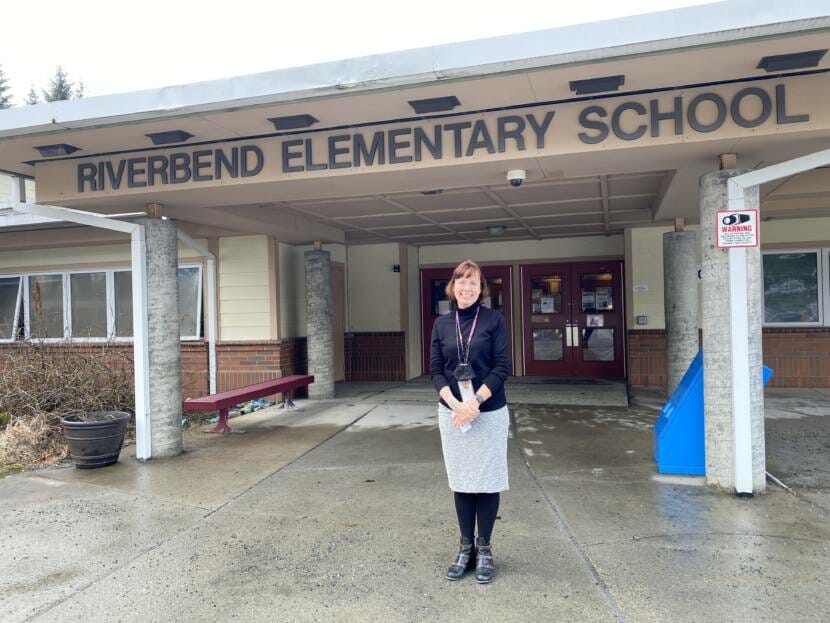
(672, 535)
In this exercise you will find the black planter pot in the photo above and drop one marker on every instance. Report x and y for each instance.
(95, 438)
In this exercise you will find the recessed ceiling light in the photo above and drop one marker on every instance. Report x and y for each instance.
(169, 137)
(796, 60)
(496, 230)
(435, 104)
(293, 122)
(597, 85)
(61, 149)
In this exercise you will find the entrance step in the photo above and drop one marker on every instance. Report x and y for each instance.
(520, 390)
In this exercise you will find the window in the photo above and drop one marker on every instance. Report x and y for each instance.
(93, 305)
(796, 287)
(11, 292)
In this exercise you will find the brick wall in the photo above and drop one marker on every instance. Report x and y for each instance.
(647, 357)
(798, 357)
(238, 363)
(246, 363)
(377, 356)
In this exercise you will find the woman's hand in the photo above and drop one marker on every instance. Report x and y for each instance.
(465, 412)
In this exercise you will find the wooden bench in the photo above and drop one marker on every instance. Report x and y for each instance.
(223, 401)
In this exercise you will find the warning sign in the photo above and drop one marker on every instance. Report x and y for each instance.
(737, 228)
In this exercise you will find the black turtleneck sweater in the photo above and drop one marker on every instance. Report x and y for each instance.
(489, 353)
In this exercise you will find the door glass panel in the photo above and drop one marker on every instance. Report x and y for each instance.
(597, 344)
(438, 296)
(546, 294)
(547, 345)
(496, 299)
(596, 292)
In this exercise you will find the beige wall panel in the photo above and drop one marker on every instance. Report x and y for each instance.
(797, 231)
(245, 306)
(257, 279)
(413, 331)
(288, 289)
(555, 248)
(292, 285)
(242, 334)
(374, 289)
(113, 255)
(644, 276)
(243, 272)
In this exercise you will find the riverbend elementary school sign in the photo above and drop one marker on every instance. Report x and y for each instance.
(628, 121)
(660, 117)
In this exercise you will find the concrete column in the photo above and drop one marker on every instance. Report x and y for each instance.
(717, 355)
(318, 323)
(164, 345)
(680, 297)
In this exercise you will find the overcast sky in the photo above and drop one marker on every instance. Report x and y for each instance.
(116, 46)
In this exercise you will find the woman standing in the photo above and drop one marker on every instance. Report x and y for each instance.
(469, 363)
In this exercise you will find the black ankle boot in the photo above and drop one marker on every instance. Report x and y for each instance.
(485, 569)
(464, 561)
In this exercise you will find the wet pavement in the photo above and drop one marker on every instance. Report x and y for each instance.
(342, 513)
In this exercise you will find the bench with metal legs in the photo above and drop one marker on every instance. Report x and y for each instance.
(223, 401)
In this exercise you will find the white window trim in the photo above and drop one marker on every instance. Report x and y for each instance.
(16, 318)
(27, 325)
(23, 305)
(822, 294)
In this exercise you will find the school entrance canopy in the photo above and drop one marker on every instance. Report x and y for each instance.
(613, 124)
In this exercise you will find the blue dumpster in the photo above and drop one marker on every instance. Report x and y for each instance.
(679, 432)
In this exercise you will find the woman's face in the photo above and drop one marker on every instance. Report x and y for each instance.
(467, 289)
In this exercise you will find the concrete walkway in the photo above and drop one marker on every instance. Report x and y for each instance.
(342, 513)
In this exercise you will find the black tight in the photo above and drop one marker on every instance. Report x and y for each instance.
(468, 506)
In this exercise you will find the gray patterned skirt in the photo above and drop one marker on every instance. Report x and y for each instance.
(476, 461)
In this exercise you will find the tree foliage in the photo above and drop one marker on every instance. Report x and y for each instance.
(32, 97)
(5, 91)
(60, 87)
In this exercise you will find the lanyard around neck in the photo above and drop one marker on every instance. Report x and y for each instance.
(464, 350)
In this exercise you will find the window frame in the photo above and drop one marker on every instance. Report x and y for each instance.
(192, 338)
(17, 307)
(23, 307)
(821, 296)
(27, 324)
(68, 305)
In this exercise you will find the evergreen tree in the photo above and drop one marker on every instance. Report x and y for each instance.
(79, 90)
(60, 87)
(5, 96)
(32, 97)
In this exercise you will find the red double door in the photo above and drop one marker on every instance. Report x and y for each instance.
(572, 315)
(572, 319)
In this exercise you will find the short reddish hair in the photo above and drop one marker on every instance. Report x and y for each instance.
(466, 269)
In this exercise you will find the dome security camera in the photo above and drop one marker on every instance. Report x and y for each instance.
(516, 177)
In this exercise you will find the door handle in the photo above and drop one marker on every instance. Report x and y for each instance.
(575, 329)
(568, 336)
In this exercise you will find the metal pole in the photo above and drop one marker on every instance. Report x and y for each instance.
(141, 347)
